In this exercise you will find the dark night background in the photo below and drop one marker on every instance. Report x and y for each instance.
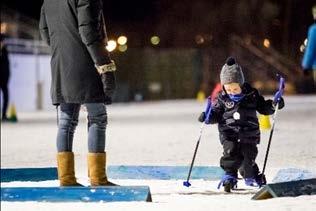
(208, 27)
(285, 26)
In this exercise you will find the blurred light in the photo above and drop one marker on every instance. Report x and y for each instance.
(302, 48)
(155, 40)
(111, 45)
(4, 28)
(266, 43)
(122, 48)
(314, 11)
(154, 87)
(122, 40)
(199, 39)
(305, 42)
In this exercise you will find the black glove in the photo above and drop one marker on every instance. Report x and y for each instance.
(109, 85)
(202, 117)
(281, 103)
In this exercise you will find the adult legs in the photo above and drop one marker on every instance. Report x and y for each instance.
(68, 121)
(97, 121)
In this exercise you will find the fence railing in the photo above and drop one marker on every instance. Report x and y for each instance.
(25, 46)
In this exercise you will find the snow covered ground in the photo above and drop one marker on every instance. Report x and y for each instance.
(164, 133)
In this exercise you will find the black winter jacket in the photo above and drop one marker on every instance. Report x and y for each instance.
(4, 67)
(75, 32)
(238, 121)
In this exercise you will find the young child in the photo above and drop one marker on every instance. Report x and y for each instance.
(235, 112)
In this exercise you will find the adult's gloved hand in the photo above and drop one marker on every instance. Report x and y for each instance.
(109, 85)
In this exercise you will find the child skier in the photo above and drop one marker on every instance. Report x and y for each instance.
(235, 112)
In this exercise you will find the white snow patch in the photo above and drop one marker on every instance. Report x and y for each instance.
(163, 133)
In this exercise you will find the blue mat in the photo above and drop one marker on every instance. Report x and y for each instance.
(119, 172)
(164, 172)
(76, 194)
(29, 174)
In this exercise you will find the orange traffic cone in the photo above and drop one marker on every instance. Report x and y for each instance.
(264, 122)
(12, 117)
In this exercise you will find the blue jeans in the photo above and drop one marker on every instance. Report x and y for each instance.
(68, 121)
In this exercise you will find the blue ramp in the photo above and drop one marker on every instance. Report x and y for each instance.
(286, 189)
(293, 174)
(76, 194)
(119, 172)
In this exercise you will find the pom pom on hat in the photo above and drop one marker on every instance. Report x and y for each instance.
(230, 61)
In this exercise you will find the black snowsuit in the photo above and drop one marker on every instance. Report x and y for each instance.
(75, 32)
(239, 129)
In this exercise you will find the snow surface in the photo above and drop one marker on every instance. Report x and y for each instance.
(164, 133)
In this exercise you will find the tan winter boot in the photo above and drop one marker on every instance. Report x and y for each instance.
(66, 169)
(96, 170)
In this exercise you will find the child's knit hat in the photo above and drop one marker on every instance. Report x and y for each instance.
(231, 73)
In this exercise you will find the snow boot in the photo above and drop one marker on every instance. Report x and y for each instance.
(96, 170)
(66, 169)
(257, 181)
(229, 182)
(251, 182)
(261, 180)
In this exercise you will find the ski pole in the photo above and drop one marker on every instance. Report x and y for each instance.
(207, 113)
(187, 183)
(276, 100)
